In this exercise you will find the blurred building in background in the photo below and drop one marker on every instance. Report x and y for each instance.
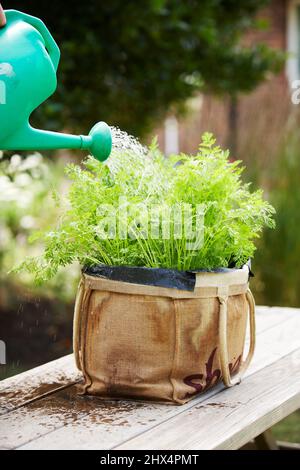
(256, 122)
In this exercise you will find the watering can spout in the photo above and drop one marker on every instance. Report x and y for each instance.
(98, 142)
(29, 58)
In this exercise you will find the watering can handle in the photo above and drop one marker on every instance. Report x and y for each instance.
(38, 24)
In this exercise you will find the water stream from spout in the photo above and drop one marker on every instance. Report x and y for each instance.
(125, 148)
(126, 142)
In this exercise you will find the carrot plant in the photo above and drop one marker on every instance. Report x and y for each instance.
(109, 212)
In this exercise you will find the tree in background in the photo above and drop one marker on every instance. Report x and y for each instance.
(130, 62)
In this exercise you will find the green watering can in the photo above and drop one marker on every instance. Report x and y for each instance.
(29, 58)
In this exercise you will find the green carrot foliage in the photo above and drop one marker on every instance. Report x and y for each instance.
(105, 198)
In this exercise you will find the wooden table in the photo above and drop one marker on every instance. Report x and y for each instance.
(40, 409)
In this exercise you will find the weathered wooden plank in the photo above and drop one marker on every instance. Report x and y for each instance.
(87, 422)
(288, 445)
(91, 420)
(234, 416)
(28, 386)
(25, 387)
(98, 430)
(269, 317)
(276, 342)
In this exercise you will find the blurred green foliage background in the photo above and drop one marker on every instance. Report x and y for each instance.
(130, 62)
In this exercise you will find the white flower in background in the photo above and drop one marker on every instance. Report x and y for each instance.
(9, 192)
(26, 199)
(31, 162)
(23, 179)
(15, 162)
(27, 222)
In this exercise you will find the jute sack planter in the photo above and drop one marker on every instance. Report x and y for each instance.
(165, 344)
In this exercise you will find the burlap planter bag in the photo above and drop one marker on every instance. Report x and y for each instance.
(155, 343)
